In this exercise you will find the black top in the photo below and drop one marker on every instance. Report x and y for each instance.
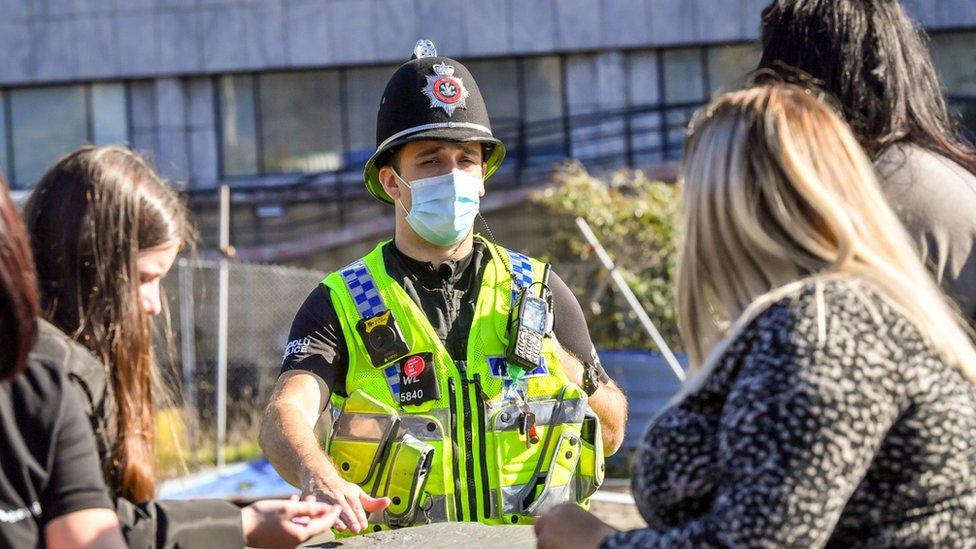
(447, 293)
(827, 421)
(48, 465)
(214, 524)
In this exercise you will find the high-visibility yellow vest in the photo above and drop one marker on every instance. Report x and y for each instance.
(461, 457)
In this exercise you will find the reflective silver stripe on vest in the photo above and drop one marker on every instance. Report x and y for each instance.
(433, 509)
(571, 411)
(366, 427)
(422, 427)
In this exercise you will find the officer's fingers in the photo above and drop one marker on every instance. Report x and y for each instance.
(352, 513)
(372, 505)
(360, 512)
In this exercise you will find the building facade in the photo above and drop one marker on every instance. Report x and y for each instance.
(282, 94)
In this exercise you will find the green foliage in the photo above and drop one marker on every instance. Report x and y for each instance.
(636, 220)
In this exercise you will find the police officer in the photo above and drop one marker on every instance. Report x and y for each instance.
(436, 417)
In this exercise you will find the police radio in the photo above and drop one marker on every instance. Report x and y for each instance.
(528, 323)
(382, 338)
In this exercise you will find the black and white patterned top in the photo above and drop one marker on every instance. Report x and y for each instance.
(840, 429)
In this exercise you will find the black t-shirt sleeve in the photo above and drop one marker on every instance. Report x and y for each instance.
(569, 325)
(75, 480)
(316, 343)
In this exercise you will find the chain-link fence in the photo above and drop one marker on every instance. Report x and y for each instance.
(261, 302)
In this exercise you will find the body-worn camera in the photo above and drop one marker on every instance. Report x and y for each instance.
(528, 323)
(382, 337)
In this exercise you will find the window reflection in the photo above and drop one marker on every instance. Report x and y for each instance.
(301, 127)
(47, 123)
(110, 117)
(238, 141)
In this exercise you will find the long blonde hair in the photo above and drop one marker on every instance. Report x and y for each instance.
(776, 188)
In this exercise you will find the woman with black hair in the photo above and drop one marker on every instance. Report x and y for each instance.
(874, 61)
(50, 490)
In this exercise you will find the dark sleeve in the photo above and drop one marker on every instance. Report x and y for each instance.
(316, 343)
(786, 465)
(75, 481)
(214, 524)
(569, 325)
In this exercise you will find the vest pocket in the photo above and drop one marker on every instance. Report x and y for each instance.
(404, 478)
(591, 463)
(361, 435)
(559, 484)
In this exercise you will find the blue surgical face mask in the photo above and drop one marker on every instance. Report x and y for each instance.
(443, 207)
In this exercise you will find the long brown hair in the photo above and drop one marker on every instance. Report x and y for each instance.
(18, 290)
(89, 216)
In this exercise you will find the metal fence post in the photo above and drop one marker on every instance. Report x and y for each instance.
(188, 344)
(222, 305)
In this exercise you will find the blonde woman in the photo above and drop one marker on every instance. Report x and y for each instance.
(833, 403)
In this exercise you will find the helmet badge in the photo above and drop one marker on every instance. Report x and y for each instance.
(445, 90)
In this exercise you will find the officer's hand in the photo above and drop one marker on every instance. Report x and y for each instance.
(355, 503)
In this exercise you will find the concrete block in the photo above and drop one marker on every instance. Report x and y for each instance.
(578, 24)
(204, 165)
(201, 104)
(719, 21)
(533, 25)
(179, 42)
(265, 34)
(138, 44)
(643, 82)
(136, 6)
(15, 43)
(54, 48)
(624, 23)
(399, 19)
(752, 18)
(308, 33)
(95, 7)
(958, 13)
(927, 13)
(55, 8)
(142, 105)
(351, 18)
(16, 10)
(442, 22)
(170, 103)
(176, 4)
(673, 21)
(487, 29)
(221, 32)
(98, 51)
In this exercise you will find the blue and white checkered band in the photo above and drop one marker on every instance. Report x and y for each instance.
(522, 268)
(393, 379)
(363, 289)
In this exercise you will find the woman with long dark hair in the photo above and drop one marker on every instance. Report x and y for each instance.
(105, 230)
(50, 490)
(870, 57)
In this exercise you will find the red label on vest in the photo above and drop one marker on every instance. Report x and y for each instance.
(413, 366)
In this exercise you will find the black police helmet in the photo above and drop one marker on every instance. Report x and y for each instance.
(430, 98)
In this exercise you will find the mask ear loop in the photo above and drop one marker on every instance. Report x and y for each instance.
(405, 184)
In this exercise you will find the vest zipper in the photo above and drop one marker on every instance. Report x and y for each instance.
(483, 455)
(456, 449)
(468, 442)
